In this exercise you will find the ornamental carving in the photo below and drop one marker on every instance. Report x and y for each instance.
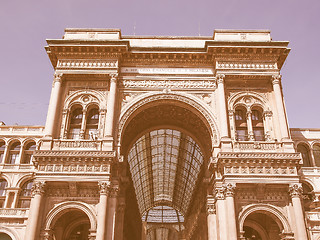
(211, 205)
(276, 79)
(295, 190)
(86, 64)
(169, 84)
(220, 78)
(220, 193)
(104, 187)
(247, 66)
(38, 188)
(230, 189)
(113, 191)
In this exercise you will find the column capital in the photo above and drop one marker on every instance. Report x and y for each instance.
(267, 113)
(230, 189)
(295, 190)
(113, 191)
(211, 205)
(220, 78)
(57, 77)
(113, 77)
(276, 79)
(220, 193)
(38, 188)
(104, 187)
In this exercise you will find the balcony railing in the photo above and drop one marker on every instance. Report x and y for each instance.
(69, 144)
(256, 146)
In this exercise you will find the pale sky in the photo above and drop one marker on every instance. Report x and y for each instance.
(26, 72)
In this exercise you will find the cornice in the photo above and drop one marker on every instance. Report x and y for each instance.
(73, 154)
(272, 157)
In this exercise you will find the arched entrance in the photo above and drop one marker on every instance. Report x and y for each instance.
(260, 226)
(72, 225)
(70, 220)
(263, 222)
(4, 236)
(166, 144)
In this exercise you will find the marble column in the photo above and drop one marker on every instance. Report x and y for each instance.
(212, 218)
(276, 82)
(295, 191)
(34, 211)
(249, 124)
(221, 213)
(102, 209)
(222, 106)
(231, 213)
(83, 124)
(111, 105)
(53, 104)
(111, 212)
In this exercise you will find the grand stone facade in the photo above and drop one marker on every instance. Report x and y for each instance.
(162, 138)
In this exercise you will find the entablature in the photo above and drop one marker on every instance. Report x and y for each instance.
(73, 162)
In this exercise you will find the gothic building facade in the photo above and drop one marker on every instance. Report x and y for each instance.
(160, 138)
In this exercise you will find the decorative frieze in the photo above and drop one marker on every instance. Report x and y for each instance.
(256, 146)
(86, 64)
(211, 205)
(77, 144)
(13, 212)
(169, 84)
(247, 66)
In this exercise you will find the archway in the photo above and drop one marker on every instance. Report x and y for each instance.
(4, 236)
(71, 225)
(166, 145)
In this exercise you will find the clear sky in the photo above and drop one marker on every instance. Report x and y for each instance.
(26, 73)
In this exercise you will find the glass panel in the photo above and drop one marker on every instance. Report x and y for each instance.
(305, 155)
(3, 185)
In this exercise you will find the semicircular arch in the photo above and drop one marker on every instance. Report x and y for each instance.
(185, 100)
(64, 207)
(277, 215)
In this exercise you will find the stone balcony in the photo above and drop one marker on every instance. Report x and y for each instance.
(79, 145)
(253, 146)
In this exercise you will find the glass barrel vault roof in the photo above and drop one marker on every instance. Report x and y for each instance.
(164, 166)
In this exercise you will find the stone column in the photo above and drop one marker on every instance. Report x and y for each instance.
(102, 209)
(144, 230)
(266, 124)
(232, 123)
(250, 128)
(295, 191)
(111, 212)
(221, 213)
(212, 218)
(53, 104)
(83, 124)
(34, 211)
(222, 106)
(111, 104)
(231, 213)
(120, 218)
(280, 106)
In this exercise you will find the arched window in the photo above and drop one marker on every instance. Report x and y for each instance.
(92, 124)
(316, 154)
(241, 124)
(2, 148)
(257, 124)
(28, 152)
(14, 152)
(25, 195)
(3, 185)
(304, 150)
(75, 124)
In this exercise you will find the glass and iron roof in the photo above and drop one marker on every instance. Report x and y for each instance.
(164, 166)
